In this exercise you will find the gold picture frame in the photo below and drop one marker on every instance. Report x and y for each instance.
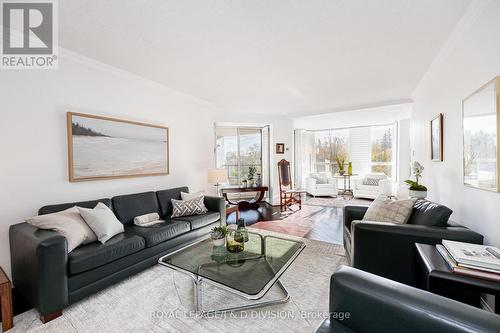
(106, 148)
(481, 139)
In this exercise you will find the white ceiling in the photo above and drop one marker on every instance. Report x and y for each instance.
(267, 56)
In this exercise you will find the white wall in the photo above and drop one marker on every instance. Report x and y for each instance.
(470, 59)
(33, 163)
(281, 131)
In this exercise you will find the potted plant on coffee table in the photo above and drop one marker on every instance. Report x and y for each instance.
(218, 235)
(416, 190)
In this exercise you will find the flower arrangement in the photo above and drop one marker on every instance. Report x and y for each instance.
(417, 170)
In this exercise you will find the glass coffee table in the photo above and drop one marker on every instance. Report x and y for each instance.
(247, 275)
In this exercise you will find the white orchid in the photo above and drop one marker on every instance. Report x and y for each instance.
(418, 169)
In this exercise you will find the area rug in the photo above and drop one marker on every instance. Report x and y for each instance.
(338, 202)
(159, 300)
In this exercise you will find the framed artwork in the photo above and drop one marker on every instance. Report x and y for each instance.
(280, 148)
(103, 148)
(437, 138)
(481, 111)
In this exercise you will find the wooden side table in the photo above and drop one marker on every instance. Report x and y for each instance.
(243, 204)
(6, 301)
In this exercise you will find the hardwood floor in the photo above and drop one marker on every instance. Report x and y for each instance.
(313, 222)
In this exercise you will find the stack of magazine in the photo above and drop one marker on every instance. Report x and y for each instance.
(480, 261)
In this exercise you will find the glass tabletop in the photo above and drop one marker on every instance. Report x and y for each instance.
(252, 271)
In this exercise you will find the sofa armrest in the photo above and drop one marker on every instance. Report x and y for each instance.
(375, 304)
(216, 204)
(388, 249)
(385, 186)
(351, 213)
(39, 266)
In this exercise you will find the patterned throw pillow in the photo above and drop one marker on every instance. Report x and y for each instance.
(188, 207)
(384, 209)
(371, 181)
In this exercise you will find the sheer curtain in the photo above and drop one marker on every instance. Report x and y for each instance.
(303, 151)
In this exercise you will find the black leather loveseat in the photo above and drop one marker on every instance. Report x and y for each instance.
(388, 249)
(50, 278)
(362, 302)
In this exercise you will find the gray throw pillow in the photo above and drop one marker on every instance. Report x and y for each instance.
(194, 206)
(68, 223)
(371, 181)
(384, 209)
(102, 221)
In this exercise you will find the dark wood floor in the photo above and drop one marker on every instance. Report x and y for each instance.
(313, 222)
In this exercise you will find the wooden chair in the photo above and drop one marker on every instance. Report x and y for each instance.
(288, 195)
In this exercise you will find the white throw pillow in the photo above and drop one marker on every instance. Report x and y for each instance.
(384, 209)
(102, 221)
(68, 223)
(190, 196)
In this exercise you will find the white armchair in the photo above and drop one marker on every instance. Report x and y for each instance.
(321, 186)
(362, 189)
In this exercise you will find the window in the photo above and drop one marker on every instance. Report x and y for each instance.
(368, 148)
(381, 149)
(330, 145)
(238, 148)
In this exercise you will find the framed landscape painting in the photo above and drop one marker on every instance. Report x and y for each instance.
(103, 147)
(437, 138)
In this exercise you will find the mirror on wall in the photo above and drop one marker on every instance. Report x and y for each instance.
(480, 134)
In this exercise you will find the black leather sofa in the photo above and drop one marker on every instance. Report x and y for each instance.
(363, 302)
(388, 249)
(50, 278)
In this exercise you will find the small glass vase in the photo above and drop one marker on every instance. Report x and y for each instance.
(235, 241)
(349, 168)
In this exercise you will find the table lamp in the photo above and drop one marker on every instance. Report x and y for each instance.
(217, 177)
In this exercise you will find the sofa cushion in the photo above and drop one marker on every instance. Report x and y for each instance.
(325, 186)
(85, 204)
(321, 178)
(161, 232)
(131, 205)
(165, 199)
(428, 213)
(198, 221)
(93, 255)
(367, 187)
